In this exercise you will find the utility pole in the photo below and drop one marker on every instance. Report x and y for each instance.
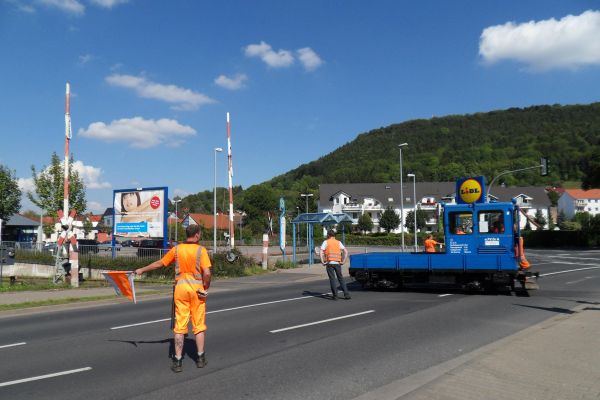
(401, 196)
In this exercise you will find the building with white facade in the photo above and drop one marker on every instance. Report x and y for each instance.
(573, 201)
(356, 199)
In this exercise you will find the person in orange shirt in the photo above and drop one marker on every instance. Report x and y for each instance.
(430, 244)
(333, 255)
(192, 280)
(459, 231)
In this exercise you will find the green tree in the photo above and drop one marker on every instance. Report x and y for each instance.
(49, 188)
(591, 168)
(87, 227)
(389, 220)
(365, 224)
(553, 197)
(409, 221)
(10, 201)
(561, 218)
(539, 218)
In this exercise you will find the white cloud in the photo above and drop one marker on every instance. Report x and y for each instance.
(180, 193)
(275, 59)
(68, 6)
(84, 59)
(309, 59)
(184, 99)
(21, 6)
(571, 42)
(95, 206)
(108, 3)
(139, 132)
(234, 83)
(26, 185)
(90, 176)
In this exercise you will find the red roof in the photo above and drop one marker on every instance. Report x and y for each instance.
(583, 194)
(206, 220)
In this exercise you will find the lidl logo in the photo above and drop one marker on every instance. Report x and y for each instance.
(470, 191)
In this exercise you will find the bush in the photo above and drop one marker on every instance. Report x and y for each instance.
(280, 264)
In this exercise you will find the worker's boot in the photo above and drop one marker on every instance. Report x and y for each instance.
(201, 361)
(176, 366)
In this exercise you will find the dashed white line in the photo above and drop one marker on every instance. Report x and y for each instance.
(222, 310)
(569, 270)
(321, 322)
(578, 280)
(12, 345)
(37, 378)
(444, 295)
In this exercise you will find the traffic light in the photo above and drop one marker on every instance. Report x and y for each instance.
(544, 164)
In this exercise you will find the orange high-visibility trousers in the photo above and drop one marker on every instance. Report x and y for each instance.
(520, 253)
(188, 305)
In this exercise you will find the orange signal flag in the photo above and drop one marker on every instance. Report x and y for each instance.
(122, 282)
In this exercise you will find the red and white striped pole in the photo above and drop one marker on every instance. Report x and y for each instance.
(230, 173)
(68, 135)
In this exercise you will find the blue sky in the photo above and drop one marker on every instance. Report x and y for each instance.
(152, 80)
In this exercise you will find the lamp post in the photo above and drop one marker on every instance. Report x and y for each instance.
(400, 146)
(176, 216)
(217, 150)
(306, 196)
(415, 202)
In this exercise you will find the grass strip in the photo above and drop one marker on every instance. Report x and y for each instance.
(67, 300)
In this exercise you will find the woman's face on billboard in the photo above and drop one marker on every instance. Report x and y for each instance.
(129, 201)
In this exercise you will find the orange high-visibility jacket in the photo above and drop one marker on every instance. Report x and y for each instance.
(333, 252)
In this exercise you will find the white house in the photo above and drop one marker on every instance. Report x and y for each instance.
(356, 199)
(573, 201)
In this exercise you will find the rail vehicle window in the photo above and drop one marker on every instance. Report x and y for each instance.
(491, 222)
(461, 223)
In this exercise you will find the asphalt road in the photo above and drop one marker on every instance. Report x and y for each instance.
(277, 339)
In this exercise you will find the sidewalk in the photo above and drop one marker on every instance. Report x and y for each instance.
(558, 359)
(303, 273)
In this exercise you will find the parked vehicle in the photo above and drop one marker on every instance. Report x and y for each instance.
(87, 246)
(150, 248)
(107, 246)
(127, 243)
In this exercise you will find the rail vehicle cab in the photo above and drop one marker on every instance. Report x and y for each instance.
(481, 228)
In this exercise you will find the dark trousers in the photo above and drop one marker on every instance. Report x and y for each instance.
(334, 270)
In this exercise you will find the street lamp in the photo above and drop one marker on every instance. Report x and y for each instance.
(415, 202)
(306, 196)
(400, 146)
(176, 217)
(217, 150)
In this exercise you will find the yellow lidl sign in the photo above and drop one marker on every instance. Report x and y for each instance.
(470, 190)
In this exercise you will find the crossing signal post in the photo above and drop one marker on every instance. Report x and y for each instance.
(544, 164)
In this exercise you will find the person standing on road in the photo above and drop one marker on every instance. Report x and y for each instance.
(192, 280)
(333, 255)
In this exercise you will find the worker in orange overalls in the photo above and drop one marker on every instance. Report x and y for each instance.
(333, 254)
(430, 244)
(192, 280)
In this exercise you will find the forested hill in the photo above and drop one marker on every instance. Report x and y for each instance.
(445, 148)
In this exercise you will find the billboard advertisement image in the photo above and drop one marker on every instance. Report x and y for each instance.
(140, 212)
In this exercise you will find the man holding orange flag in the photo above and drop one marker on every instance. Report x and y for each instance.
(192, 280)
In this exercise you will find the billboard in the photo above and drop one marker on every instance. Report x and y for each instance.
(140, 212)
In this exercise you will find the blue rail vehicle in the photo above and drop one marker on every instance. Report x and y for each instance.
(483, 250)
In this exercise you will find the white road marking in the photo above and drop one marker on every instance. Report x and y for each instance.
(578, 280)
(223, 310)
(37, 378)
(12, 345)
(444, 295)
(570, 270)
(576, 258)
(321, 322)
